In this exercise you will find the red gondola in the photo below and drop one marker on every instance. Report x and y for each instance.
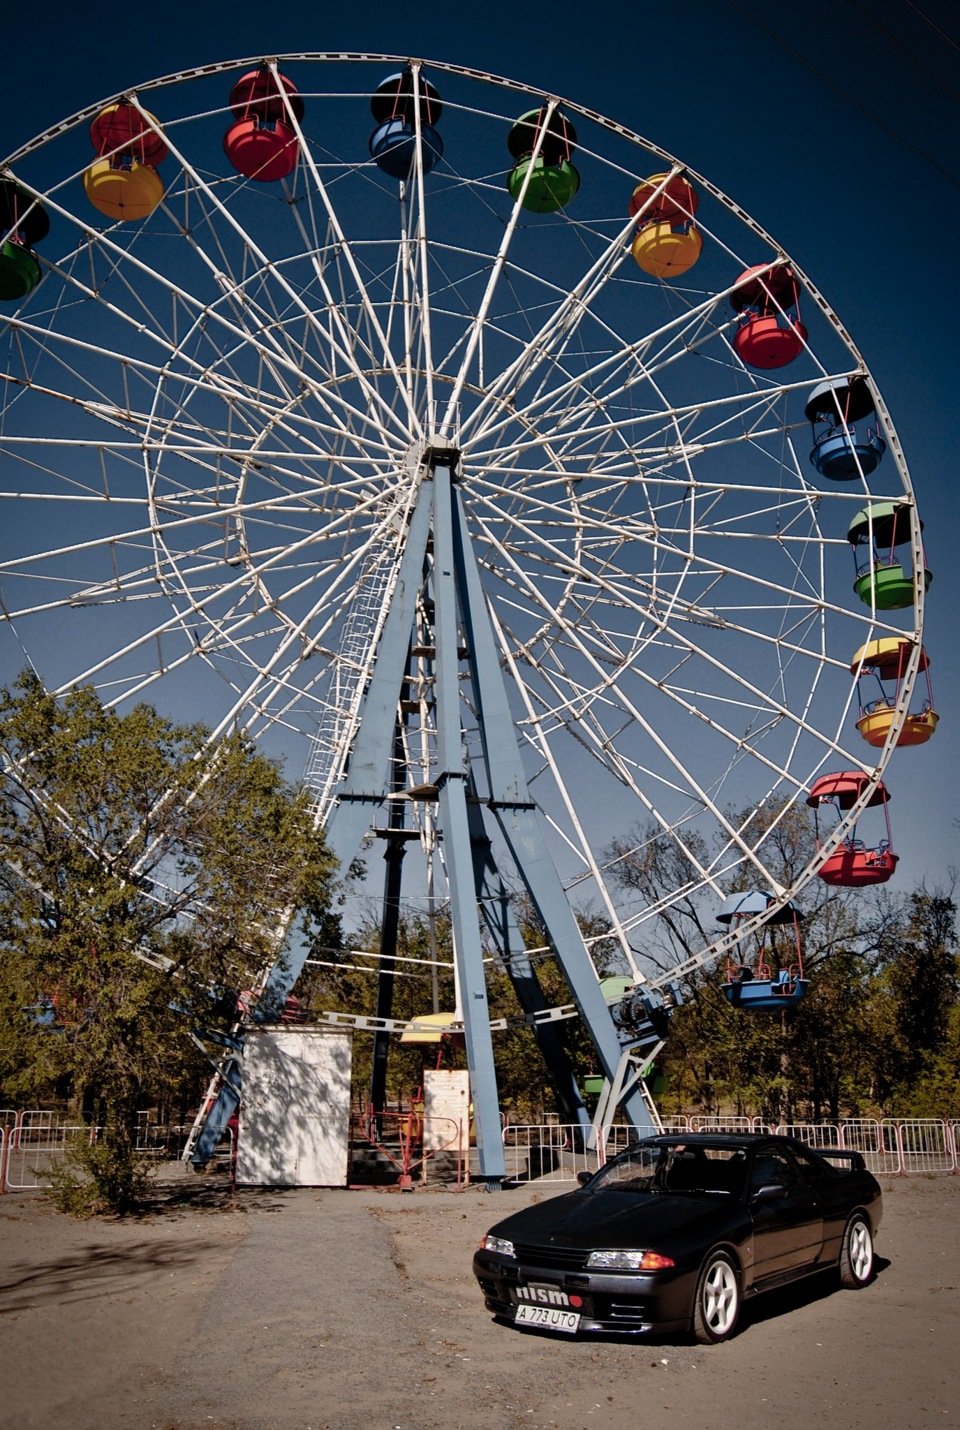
(770, 333)
(262, 143)
(853, 864)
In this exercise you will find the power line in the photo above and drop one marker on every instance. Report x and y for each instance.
(845, 94)
(933, 25)
(905, 49)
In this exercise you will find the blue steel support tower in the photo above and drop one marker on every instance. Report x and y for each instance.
(484, 803)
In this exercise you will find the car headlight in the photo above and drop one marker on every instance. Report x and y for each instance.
(627, 1261)
(500, 1244)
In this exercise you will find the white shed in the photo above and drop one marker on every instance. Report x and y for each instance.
(295, 1114)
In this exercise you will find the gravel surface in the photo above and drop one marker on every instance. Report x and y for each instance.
(336, 1310)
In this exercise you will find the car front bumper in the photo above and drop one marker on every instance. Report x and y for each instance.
(608, 1303)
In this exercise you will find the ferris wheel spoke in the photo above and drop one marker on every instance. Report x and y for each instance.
(578, 396)
(540, 732)
(607, 660)
(553, 336)
(483, 309)
(345, 252)
(285, 369)
(337, 337)
(219, 420)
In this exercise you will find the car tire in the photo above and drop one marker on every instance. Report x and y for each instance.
(716, 1305)
(856, 1254)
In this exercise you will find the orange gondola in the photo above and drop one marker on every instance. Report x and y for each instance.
(123, 183)
(884, 663)
(668, 243)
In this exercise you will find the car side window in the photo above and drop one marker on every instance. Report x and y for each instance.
(811, 1167)
(773, 1169)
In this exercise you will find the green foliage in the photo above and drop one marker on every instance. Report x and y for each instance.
(93, 1177)
(142, 869)
(935, 1089)
(918, 986)
(879, 1027)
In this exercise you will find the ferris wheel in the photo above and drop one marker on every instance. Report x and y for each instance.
(478, 459)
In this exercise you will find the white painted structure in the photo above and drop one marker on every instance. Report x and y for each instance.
(446, 1110)
(295, 1114)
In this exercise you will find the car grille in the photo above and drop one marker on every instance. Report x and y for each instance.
(564, 1258)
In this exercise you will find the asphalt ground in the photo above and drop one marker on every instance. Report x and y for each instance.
(336, 1310)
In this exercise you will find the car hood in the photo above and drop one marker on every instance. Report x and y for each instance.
(614, 1219)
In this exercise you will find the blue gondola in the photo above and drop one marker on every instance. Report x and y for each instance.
(757, 986)
(765, 992)
(396, 106)
(839, 454)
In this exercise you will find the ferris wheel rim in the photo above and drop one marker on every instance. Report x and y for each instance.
(458, 382)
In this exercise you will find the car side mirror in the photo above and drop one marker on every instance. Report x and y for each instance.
(584, 1177)
(773, 1192)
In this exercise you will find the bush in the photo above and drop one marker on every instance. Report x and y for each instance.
(96, 1178)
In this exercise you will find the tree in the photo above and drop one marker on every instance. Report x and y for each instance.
(147, 874)
(918, 990)
(816, 1056)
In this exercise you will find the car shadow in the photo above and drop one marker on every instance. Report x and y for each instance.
(807, 1292)
(766, 1307)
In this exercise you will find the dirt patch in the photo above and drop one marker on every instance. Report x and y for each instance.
(331, 1310)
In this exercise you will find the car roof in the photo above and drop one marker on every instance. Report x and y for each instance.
(741, 1141)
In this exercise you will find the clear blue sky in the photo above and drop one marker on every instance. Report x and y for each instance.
(842, 137)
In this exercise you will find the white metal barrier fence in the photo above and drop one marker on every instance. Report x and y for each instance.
(892, 1146)
(33, 1145)
(32, 1141)
(547, 1153)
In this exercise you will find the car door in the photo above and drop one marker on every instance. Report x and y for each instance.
(786, 1214)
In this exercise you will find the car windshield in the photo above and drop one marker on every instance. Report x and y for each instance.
(675, 1168)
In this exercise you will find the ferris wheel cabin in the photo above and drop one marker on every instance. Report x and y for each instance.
(400, 106)
(667, 243)
(853, 864)
(884, 580)
(769, 331)
(767, 977)
(880, 667)
(542, 145)
(832, 410)
(23, 222)
(262, 142)
(123, 183)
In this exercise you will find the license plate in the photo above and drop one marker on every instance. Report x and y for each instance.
(550, 1317)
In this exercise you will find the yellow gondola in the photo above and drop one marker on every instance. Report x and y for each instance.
(885, 660)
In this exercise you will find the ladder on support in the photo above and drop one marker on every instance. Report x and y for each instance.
(348, 678)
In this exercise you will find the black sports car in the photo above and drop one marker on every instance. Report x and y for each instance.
(674, 1233)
